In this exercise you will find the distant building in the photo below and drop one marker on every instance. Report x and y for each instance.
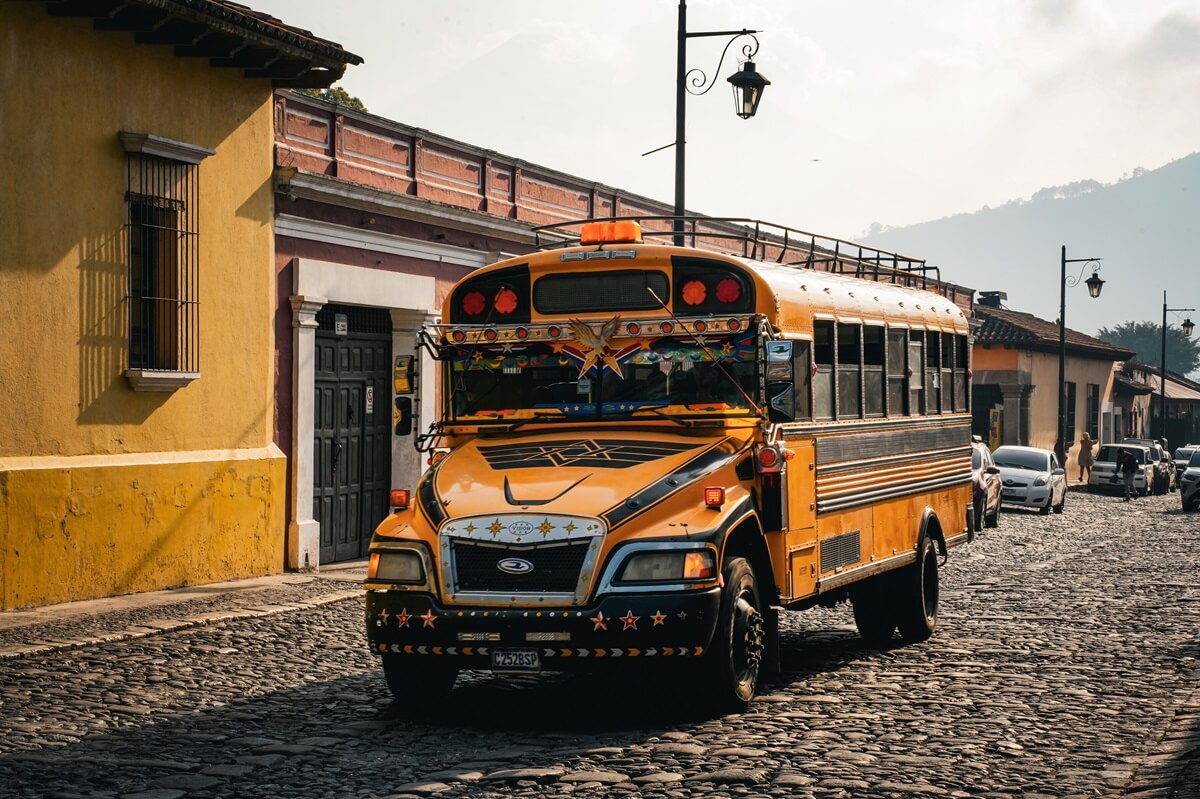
(1015, 385)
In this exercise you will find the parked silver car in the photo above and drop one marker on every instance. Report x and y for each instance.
(1182, 455)
(1031, 478)
(1164, 467)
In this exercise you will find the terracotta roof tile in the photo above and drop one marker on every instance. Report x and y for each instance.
(1022, 330)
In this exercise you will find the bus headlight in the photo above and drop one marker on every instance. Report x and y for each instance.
(669, 567)
(396, 566)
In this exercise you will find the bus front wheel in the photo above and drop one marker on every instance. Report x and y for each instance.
(917, 595)
(735, 659)
(417, 684)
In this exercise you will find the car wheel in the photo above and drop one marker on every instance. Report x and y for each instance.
(1062, 502)
(916, 596)
(1045, 509)
(732, 664)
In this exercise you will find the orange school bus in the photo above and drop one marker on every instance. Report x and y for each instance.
(648, 451)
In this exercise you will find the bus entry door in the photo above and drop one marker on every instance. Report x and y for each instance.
(800, 538)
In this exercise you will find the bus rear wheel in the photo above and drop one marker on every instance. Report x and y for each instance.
(917, 595)
(734, 661)
(873, 612)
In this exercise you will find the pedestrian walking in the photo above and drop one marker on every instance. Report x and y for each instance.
(1127, 467)
(1086, 459)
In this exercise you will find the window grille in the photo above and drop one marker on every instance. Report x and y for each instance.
(163, 255)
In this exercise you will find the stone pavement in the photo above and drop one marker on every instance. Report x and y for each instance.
(76, 624)
(1065, 667)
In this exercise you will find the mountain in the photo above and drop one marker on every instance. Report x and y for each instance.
(1146, 228)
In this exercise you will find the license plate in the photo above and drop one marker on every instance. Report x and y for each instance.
(516, 660)
(1009, 494)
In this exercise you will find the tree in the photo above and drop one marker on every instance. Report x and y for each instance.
(336, 95)
(1145, 338)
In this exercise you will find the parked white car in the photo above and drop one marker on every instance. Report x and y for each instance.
(1104, 475)
(1032, 478)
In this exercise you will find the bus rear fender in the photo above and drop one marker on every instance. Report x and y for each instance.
(932, 528)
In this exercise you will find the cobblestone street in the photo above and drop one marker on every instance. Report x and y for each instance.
(1064, 665)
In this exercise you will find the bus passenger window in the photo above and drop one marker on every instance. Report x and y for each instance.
(897, 398)
(802, 374)
(947, 372)
(823, 379)
(873, 358)
(962, 355)
(849, 371)
(933, 379)
(916, 363)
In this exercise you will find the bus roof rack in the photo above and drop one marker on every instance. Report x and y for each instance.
(763, 241)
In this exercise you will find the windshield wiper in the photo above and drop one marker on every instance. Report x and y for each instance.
(537, 417)
(657, 411)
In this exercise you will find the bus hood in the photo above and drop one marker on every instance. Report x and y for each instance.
(612, 476)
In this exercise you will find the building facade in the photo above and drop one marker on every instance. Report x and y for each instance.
(136, 446)
(1015, 387)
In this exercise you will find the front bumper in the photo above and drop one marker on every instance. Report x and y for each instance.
(1026, 496)
(625, 626)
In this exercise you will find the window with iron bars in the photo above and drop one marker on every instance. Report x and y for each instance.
(162, 300)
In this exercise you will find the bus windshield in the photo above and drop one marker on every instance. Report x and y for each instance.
(636, 377)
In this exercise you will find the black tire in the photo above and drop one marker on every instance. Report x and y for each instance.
(1059, 507)
(418, 683)
(1045, 509)
(874, 613)
(993, 520)
(732, 665)
(916, 595)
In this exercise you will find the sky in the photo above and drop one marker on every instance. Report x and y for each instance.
(879, 111)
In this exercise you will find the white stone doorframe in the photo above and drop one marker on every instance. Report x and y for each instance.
(410, 299)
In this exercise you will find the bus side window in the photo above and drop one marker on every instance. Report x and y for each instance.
(897, 372)
(873, 360)
(802, 374)
(916, 363)
(849, 371)
(962, 355)
(933, 379)
(823, 379)
(947, 381)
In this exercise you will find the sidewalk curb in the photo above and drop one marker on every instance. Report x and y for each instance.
(169, 624)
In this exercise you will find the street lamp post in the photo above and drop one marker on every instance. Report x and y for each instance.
(1187, 327)
(1094, 284)
(747, 85)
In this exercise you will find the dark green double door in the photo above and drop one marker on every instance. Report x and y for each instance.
(352, 421)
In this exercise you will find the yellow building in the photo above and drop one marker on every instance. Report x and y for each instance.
(137, 294)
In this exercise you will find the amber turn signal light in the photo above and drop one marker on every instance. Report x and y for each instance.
(399, 499)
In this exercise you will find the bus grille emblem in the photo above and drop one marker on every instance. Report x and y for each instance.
(515, 566)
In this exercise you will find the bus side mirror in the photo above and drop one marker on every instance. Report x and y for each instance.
(402, 418)
(781, 382)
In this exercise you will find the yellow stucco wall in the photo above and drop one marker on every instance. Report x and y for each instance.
(63, 395)
(1043, 410)
(96, 526)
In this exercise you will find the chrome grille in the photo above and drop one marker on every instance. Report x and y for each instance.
(556, 566)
